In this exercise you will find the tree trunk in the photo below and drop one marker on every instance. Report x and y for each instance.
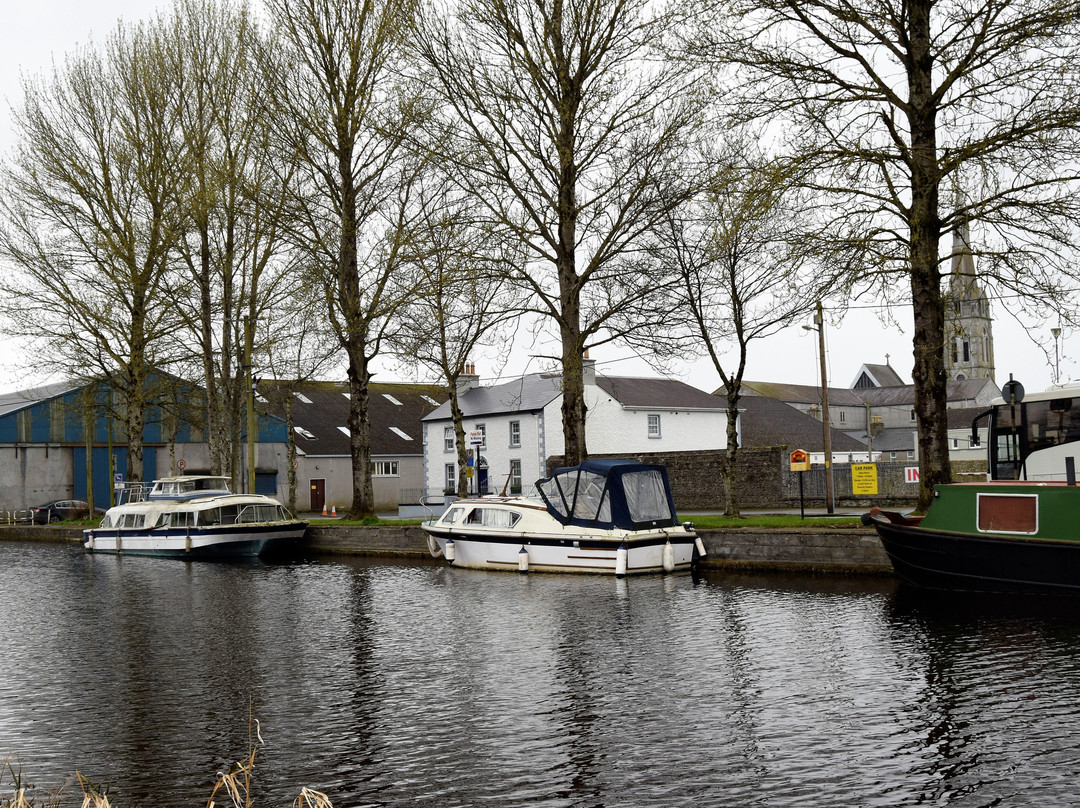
(929, 370)
(731, 498)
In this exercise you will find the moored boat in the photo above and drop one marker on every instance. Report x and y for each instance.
(193, 517)
(603, 516)
(999, 536)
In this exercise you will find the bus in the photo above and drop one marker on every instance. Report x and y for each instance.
(1031, 436)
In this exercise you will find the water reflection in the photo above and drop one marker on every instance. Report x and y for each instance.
(397, 685)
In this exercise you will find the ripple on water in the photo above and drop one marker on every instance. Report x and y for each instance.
(394, 685)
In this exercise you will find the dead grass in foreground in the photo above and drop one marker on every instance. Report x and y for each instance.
(232, 789)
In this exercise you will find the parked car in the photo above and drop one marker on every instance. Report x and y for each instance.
(60, 509)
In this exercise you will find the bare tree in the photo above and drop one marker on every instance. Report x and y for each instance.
(234, 193)
(575, 131)
(464, 297)
(742, 268)
(92, 217)
(917, 117)
(342, 108)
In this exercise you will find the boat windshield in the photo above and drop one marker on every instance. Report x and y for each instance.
(492, 517)
(646, 496)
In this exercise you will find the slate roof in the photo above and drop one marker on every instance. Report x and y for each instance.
(770, 422)
(961, 417)
(956, 392)
(535, 391)
(882, 375)
(321, 416)
(805, 393)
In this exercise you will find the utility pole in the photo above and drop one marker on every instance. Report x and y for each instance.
(819, 326)
(249, 339)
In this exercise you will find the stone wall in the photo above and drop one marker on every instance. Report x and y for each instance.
(825, 550)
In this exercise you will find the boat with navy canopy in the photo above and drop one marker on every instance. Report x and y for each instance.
(193, 517)
(605, 516)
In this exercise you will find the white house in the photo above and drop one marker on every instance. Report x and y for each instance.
(518, 426)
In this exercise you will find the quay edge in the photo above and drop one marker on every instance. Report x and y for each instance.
(849, 550)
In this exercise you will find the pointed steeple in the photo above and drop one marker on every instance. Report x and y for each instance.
(969, 338)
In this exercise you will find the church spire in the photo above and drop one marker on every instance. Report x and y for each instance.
(969, 339)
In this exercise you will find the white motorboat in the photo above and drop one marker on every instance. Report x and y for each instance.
(606, 516)
(193, 517)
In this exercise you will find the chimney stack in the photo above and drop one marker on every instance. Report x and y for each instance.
(467, 379)
(588, 369)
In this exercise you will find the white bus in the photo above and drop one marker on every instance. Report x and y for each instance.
(1031, 439)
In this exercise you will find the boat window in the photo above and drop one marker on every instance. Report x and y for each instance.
(553, 495)
(493, 517)
(646, 497)
(590, 496)
(451, 516)
(132, 520)
(211, 516)
(1008, 513)
(229, 514)
(260, 513)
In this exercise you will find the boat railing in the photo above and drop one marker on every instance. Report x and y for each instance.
(131, 492)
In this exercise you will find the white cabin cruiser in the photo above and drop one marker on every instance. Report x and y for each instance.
(193, 517)
(607, 516)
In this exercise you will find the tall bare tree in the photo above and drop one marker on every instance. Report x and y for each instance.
(465, 297)
(575, 131)
(341, 106)
(743, 268)
(234, 192)
(919, 116)
(92, 217)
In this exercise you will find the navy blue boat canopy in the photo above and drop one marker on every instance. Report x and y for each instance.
(609, 494)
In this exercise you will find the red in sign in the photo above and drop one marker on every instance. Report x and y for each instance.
(911, 474)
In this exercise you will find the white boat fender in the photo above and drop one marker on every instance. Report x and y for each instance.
(433, 547)
(90, 543)
(699, 545)
(451, 551)
(621, 560)
(523, 560)
(668, 557)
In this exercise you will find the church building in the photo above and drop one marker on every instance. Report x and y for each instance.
(969, 340)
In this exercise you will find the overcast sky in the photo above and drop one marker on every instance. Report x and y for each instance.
(37, 32)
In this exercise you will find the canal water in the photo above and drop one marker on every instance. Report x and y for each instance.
(388, 684)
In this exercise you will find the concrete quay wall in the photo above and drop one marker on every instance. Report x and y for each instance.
(836, 550)
(846, 550)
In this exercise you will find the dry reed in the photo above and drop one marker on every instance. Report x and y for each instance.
(232, 788)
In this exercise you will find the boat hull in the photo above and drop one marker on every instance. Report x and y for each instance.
(946, 560)
(242, 541)
(643, 554)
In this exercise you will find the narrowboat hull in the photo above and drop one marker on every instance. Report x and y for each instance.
(223, 542)
(942, 560)
(644, 554)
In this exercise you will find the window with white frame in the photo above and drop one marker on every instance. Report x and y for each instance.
(451, 478)
(654, 425)
(515, 476)
(515, 434)
(448, 439)
(384, 468)
(482, 429)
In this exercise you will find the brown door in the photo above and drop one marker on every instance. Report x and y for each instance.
(318, 495)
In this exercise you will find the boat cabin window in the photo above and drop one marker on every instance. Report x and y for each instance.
(1008, 513)
(493, 517)
(451, 516)
(646, 497)
(225, 515)
(260, 513)
(133, 520)
(177, 519)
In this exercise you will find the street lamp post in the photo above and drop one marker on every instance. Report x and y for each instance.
(819, 326)
(1057, 368)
